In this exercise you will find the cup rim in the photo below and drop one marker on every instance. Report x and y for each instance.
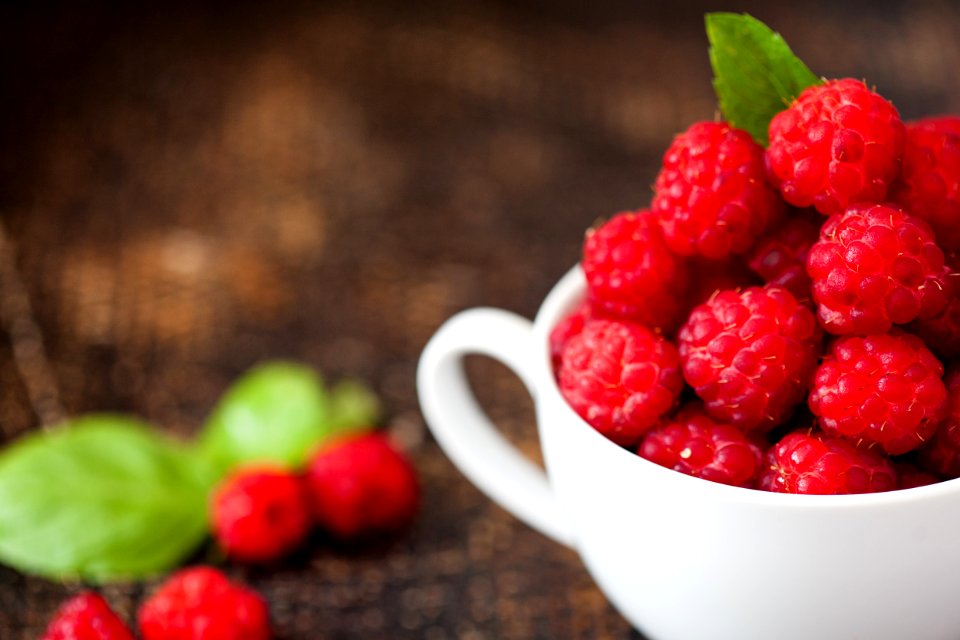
(562, 298)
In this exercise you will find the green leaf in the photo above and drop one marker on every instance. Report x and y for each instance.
(276, 412)
(755, 74)
(353, 408)
(100, 498)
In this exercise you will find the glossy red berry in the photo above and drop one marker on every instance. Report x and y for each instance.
(941, 455)
(780, 258)
(812, 463)
(362, 485)
(631, 274)
(86, 616)
(874, 267)
(880, 390)
(693, 443)
(711, 196)
(749, 355)
(200, 603)
(620, 377)
(260, 514)
(570, 325)
(839, 143)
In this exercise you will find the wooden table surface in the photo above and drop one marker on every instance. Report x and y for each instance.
(188, 191)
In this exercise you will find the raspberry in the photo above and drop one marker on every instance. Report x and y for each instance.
(711, 196)
(812, 463)
(942, 454)
(748, 355)
(883, 389)
(620, 377)
(200, 603)
(876, 266)
(260, 514)
(86, 616)
(780, 258)
(929, 185)
(631, 273)
(910, 476)
(362, 485)
(571, 324)
(941, 333)
(694, 444)
(837, 144)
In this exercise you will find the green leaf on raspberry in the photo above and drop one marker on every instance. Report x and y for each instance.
(755, 74)
(101, 498)
(276, 413)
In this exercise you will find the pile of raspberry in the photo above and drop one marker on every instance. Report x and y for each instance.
(783, 318)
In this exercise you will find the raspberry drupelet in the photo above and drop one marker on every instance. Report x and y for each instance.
(711, 196)
(876, 266)
(86, 616)
(813, 463)
(749, 355)
(780, 257)
(941, 333)
(837, 144)
(620, 377)
(693, 443)
(929, 184)
(631, 274)
(880, 390)
(941, 455)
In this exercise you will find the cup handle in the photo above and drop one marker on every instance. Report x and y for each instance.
(463, 430)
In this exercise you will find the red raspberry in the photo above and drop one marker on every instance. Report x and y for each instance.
(941, 333)
(941, 454)
(200, 603)
(876, 266)
(910, 476)
(362, 485)
(571, 324)
(929, 185)
(621, 378)
(749, 355)
(86, 616)
(711, 196)
(812, 463)
(780, 258)
(631, 273)
(694, 444)
(883, 389)
(260, 514)
(837, 144)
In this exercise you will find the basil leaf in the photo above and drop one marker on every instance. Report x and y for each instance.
(755, 74)
(353, 408)
(276, 412)
(100, 498)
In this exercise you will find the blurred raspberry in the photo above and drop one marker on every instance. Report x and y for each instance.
(929, 185)
(910, 476)
(260, 514)
(200, 603)
(711, 195)
(693, 443)
(812, 463)
(837, 144)
(86, 616)
(570, 325)
(362, 485)
(631, 274)
(780, 257)
(749, 355)
(883, 389)
(876, 266)
(620, 377)
(941, 455)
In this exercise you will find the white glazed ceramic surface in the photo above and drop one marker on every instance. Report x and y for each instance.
(687, 559)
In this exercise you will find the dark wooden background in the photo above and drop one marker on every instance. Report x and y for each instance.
(188, 190)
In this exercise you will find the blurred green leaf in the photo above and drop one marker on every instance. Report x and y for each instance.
(353, 409)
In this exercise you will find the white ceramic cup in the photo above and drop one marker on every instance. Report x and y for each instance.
(684, 558)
